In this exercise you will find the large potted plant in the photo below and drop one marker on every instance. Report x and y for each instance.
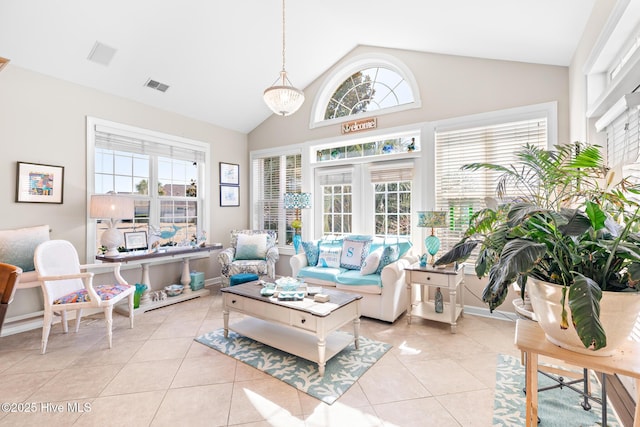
(570, 236)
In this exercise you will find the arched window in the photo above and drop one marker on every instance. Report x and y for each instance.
(366, 85)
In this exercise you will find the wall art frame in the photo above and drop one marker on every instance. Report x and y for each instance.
(39, 183)
(229, 174)
(229, 195)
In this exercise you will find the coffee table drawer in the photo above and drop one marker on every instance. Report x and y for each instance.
(234, 301)
(303, 320)
(276, 313)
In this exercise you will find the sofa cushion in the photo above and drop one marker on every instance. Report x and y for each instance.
(251, 246)
(17, 246)
(354, 252)
(371, 262)
(321, 273)
(353, 281)
(329, 255)
(403, 245)
(312, 251)
(390, 254)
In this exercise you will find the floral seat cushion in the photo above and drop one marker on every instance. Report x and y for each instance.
(105, 292)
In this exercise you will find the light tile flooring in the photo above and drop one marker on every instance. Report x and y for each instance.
(157, 375)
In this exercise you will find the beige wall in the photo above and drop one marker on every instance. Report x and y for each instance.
(43, 120)
(450, 86)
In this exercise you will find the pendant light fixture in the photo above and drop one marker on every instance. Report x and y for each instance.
(282, 97)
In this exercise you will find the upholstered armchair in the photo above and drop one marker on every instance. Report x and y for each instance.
(251, 251)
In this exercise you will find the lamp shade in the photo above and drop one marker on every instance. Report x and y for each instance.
(432, 219)
(111, 206)
(297, 200)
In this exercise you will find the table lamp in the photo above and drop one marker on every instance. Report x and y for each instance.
(433, 219)
(114, 208)
(297, 201)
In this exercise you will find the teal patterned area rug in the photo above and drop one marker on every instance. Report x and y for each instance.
(556, 408)
(341, 371)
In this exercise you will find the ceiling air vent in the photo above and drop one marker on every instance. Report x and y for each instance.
(101, 53)
(156, 85)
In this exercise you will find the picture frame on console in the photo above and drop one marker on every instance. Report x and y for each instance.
(135, 240)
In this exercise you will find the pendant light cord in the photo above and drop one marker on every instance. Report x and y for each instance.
(283, 41)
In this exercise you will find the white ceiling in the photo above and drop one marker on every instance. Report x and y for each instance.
(219, 56)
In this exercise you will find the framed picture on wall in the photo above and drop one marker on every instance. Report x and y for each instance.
(229, 195)
(229, 174)
(37, 183)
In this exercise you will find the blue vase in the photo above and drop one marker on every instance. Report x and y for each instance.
(423, 260)
(296, 242)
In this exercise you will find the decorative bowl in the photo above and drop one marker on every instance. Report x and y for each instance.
(173, 290)
(287, 284)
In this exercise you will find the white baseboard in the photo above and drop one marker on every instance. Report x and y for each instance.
(485, 312)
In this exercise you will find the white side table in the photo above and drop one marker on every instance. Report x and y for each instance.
(445, 278)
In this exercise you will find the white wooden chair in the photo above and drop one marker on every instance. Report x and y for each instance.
(66, 287)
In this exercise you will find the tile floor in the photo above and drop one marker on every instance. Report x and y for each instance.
(157, 375)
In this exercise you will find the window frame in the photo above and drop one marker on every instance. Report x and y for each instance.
(285, 218)
(359, 63)
(204, 174)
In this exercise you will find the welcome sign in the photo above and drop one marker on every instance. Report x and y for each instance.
(359, 125)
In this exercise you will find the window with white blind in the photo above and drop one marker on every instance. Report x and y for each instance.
(272, 177)
(337, 200)
(392, 184)
(366, 198)
(462, 193)
(161, 172)
(623, 138)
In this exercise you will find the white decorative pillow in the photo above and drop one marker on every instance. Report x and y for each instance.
(354, 252)
(329, 256)
(371, 262)
(17, 246)
(251, 246)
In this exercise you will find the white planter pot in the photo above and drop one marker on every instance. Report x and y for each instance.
(618, 314)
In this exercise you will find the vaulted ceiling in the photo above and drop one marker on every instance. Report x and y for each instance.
(217, 57)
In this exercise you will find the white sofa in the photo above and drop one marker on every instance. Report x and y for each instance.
(17, 247)
(386, 301)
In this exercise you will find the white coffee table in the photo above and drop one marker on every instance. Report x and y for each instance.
(306, 328)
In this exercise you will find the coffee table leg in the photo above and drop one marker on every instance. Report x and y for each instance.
(322, 343)
(356, 332)
(225, 317)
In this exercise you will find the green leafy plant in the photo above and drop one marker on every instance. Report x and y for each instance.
(571, 225)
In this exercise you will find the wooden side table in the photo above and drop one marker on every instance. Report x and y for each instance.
(531, 341)
(445, 278)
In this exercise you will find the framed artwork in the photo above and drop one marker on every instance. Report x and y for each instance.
(229, 195)
(135, 240)
(36, 183)
(229, 174)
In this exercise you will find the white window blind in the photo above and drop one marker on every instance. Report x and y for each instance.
(120, 140)
(462, 193)
(334, 176)
(273, 176)
(623, 138)
(391, 171)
